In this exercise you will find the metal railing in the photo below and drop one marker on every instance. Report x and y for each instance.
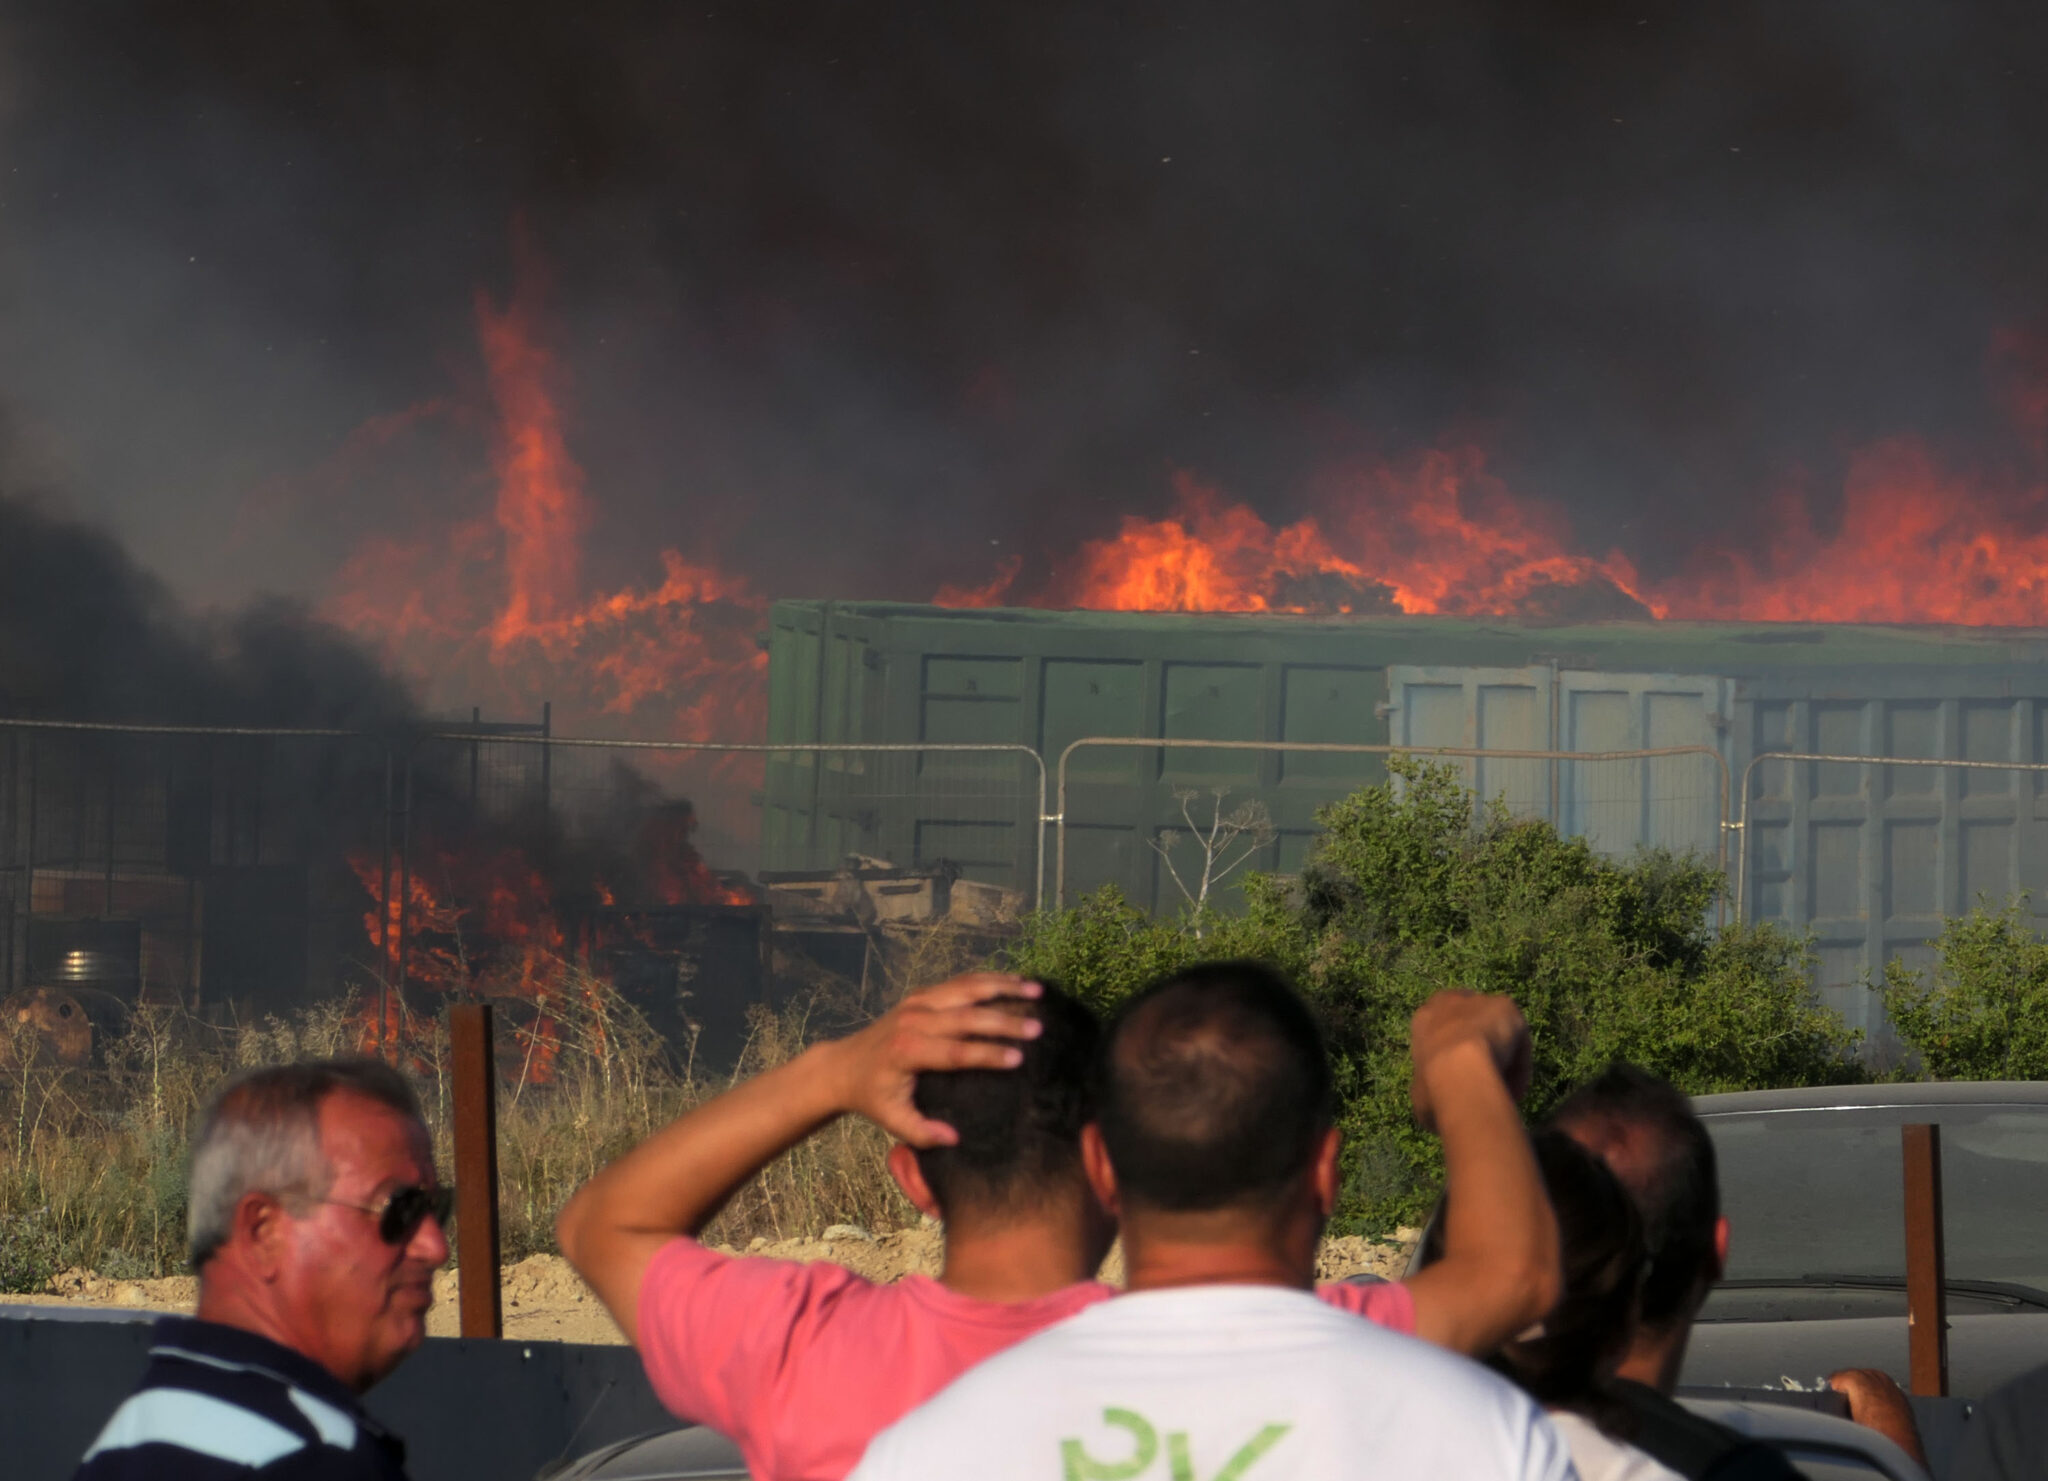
(164, 830)
(1059, 817)
(814, 748)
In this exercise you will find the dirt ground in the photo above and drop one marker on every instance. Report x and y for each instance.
(545, 1302)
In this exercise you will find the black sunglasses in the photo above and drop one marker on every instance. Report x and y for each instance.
(402, 1212)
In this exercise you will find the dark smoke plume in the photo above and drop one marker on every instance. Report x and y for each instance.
(937, 277)
(86, 634)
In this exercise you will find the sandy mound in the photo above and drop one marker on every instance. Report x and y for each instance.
(544, 1301)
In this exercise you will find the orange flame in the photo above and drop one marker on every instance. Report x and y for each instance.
(1914, 543)
(540, 489)
(492, 607)
(1440, 535)
(481, 921)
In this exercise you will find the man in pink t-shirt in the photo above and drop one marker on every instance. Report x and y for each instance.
(985, 1081)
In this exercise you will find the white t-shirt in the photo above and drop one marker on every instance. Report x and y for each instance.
(1221, 1383)
(1601, 1457)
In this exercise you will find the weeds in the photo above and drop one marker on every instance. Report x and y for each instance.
(92, 1168)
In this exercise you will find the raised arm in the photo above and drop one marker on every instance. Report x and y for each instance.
(675, 1182)
(1500, 1270)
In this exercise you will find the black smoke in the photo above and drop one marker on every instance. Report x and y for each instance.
(282, 831)
(951, 280)
(86, 634)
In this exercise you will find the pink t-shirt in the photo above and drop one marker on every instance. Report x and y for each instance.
(802, 1365)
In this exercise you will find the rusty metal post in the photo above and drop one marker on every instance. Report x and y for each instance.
(384, 918)
(547, 757)
(1926, 1276)
(404, 890)
(476, 1168)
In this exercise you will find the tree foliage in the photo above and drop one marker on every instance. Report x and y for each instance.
(1982, 1014)
(1406, 892)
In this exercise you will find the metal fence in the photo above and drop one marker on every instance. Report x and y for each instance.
(212, 864)
(1674, 797)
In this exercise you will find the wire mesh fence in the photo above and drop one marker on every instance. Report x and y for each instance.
(217, 866)
(1164, 819)
(234, 870)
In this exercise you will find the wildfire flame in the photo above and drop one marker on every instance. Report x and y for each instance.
(1439, 535)
(493, 606)
(480, 919)
(1912, 541)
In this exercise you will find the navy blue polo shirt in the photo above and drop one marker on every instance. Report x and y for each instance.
(221, 1404)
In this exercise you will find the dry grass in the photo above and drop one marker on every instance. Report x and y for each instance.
(92, 1170)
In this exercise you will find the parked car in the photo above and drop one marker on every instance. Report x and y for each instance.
(1812, 1184)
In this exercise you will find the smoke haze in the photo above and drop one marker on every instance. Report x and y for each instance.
(861, 301)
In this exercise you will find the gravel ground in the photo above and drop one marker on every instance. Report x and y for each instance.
(545, 1302)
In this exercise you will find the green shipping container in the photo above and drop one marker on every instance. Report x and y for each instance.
(1867, 858)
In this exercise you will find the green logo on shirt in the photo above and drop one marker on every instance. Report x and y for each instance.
(1076, 1464)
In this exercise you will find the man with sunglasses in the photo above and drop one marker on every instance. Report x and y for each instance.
(315, 1224)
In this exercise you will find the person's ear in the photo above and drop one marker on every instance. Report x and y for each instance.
(909, 1176)
(1720, 1248)
(1101, 1176)
(261, 1230)
(1328, 1176)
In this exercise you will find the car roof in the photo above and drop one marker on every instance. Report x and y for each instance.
(1865, 1097)
(1813, 1436)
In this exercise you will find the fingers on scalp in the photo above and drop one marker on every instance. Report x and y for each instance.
(995, 1023)
(928, 1133)
(976, 987)
(972, 1054)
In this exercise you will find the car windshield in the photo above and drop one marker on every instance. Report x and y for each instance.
(1821, 1192)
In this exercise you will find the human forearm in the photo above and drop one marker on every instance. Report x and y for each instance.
(1877, 1402)
(1500, 1268)
(676, 1181)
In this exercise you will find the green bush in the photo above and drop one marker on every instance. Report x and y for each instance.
(1406, 893)
(1982, 1014)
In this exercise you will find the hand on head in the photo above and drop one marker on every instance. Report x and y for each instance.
(1456, 1020)
(956, 1025)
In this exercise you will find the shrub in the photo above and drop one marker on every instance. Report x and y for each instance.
(1982, 1014)
(1407, 892)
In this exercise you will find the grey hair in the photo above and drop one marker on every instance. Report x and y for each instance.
(261, 1134)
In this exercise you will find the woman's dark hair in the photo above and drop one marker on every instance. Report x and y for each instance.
(1560, 1361)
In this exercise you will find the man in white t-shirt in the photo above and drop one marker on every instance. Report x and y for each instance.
(1215, 1144)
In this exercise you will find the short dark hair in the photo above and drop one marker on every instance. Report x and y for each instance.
(1560, 1362)
(1673, 1182)
(1020, 1129)
(1215, 1086)
(260, 1133)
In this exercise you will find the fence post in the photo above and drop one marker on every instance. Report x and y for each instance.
(476, 1169)
(1926, 1279)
